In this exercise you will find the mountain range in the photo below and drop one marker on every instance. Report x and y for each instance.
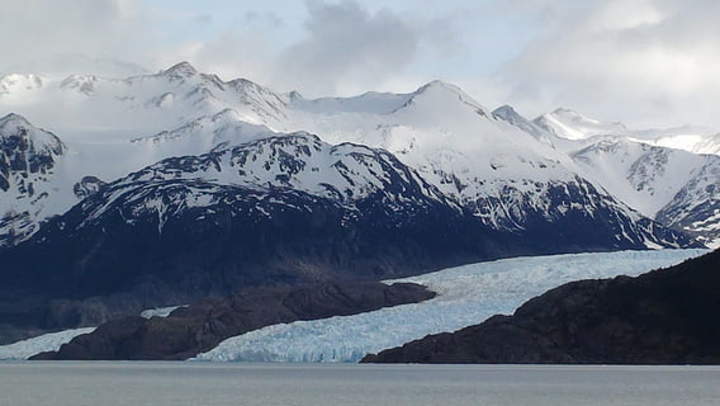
(161, 188)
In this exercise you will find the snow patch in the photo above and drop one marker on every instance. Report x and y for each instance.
(160, 311)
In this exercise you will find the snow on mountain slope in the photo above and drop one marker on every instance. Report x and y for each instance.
(678, 188)
(698, 143)
(203, 134)
(709, 145)
(97, 108)
(511, 178)
(467, 295)
(644, 176)
(160, 311)
(177, 95)
(571, 125)
(444, 133)
(696, 207)
(344, 172)
(28, 160)
(451, 139)
(370, 103)
(511, 116)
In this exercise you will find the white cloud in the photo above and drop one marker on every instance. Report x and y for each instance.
(643, 61)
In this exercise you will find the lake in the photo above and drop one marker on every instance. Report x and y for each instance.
(214, 384)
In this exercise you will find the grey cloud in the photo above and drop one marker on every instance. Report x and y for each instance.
(203, 19)
(35, 29)
(268, 19)
(346, 43)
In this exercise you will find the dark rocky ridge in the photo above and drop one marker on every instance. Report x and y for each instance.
(662, 317)
(200, 327)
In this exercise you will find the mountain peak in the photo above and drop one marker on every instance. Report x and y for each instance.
(437, 90)
(565, 111)
(14, 118)
(506, 113)
(183, 69)
(439, 85)
(242, 83)
(509, 115)
(43, 142)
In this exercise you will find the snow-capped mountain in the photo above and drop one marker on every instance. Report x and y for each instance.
(177, 95)
(696, 207)
(677, 188)
(674, 184)
(502, 168)
(644, 176)
(570, 129)
(301, 161)
(446, 135)
(28, 160)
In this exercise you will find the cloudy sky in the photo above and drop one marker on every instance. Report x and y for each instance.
(645, 62)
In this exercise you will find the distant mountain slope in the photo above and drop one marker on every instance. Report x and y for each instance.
(570, 125)
(679, 189)
(657, 318)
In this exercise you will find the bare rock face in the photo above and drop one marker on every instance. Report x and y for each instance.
(662, 317)
(88, 185)
(200, 327)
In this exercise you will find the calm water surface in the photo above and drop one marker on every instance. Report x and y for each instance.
(204, 384)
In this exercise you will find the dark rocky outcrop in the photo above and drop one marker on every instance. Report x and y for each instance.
(87, 186)
(200, 327)
(663, 317)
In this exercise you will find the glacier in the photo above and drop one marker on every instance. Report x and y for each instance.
(467, 295)
(25, 349)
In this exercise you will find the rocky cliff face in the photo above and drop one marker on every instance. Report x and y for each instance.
(663, 317)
